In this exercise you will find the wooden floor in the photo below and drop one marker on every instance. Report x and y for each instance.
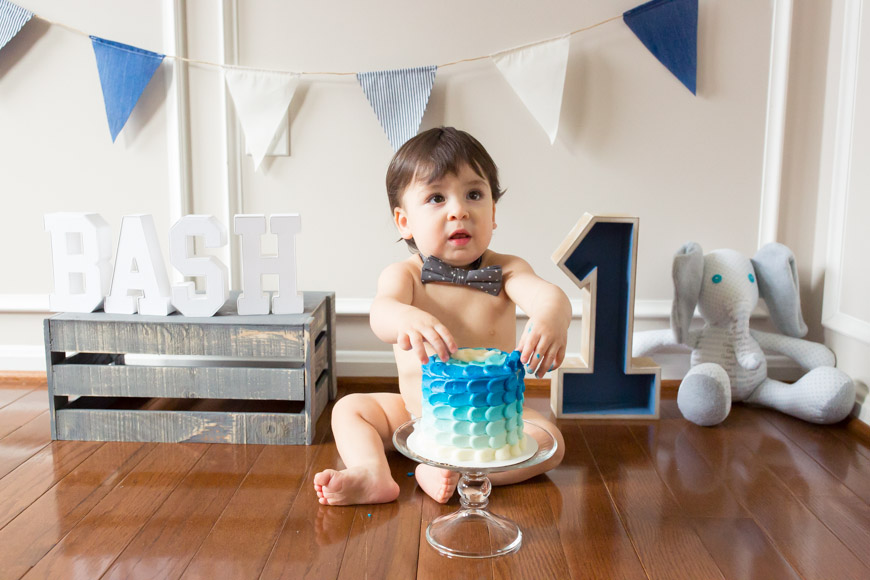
(761, 496)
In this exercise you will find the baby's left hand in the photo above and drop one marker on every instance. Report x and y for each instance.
(542, 346)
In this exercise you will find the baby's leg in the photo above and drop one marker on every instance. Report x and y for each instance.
(363, 425)
(517, 475)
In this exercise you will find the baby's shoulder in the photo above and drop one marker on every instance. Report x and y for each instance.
(508, 262)
(398, 280)
(405, 270)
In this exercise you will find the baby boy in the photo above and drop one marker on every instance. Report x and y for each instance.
(443, 187)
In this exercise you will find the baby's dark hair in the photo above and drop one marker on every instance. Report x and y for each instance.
(433, 154)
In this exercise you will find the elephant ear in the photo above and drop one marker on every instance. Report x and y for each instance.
(777, 276)
(688, 275)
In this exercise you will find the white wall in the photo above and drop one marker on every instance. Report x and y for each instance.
(632, 139)
(842, 240)
(56, 153)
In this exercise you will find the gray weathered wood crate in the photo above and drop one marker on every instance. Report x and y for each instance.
(223, 379)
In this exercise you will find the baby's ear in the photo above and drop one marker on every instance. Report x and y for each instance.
(400, 218)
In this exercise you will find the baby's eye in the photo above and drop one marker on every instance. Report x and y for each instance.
(475, 195)
(435, 198)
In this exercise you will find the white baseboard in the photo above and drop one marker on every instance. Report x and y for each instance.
(366, 363)
(674, 366)
(357, 363)
(380, 363)
(643, 309)
(22, 357)
(24, 304)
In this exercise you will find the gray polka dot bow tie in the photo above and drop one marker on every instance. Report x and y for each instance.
(487, 279)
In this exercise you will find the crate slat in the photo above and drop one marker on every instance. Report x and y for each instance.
(321, 397)
(180, 382)
(275, 429)
(181, 426)
(331, 327)
(320, 360)
(319, 320)
(193, 339)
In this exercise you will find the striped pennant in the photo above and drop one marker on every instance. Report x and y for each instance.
(124, 71)
(12, 19)
(399, 98)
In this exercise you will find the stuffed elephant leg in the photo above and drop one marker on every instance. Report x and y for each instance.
(824, 395)
(704, 397)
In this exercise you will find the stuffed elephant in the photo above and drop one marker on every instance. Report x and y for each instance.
(727, 361)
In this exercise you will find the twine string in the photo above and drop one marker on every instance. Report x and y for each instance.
(341, 73)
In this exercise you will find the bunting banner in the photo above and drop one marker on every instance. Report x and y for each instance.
(535, 71)
(399, 98)
(261, 99)
(537, 75)
(669, 30)
(124, 71)
(12, 20)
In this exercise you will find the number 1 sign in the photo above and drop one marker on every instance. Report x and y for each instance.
(600, 256)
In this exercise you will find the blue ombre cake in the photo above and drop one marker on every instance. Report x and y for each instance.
(473, 406)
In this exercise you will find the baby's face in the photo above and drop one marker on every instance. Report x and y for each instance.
(451, 218)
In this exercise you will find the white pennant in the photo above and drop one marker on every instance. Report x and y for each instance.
(537, 75)
(261, 100)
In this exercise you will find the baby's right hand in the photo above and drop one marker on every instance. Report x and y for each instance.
(418, 328)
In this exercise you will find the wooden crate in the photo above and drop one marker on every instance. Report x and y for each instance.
(223, 379)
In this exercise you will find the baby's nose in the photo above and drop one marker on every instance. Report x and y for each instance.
(457, 210)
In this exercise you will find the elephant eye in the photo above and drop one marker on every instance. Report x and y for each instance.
(717, 278)
(752, 278)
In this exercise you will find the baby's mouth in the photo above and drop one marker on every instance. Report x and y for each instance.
(460, 238)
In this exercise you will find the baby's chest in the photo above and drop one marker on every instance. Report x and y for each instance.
(475, 318)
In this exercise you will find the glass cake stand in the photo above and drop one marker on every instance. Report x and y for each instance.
(472, 531)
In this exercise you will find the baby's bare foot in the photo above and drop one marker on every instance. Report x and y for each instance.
(439, 484)
(355, 485)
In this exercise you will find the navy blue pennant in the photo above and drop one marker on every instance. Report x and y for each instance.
(124, 73)
(669, 30)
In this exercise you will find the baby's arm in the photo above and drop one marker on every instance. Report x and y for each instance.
(395, 321)
(545, 336)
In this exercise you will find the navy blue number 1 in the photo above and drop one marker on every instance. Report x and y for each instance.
(599, 256)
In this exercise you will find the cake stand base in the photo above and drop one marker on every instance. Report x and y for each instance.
(474, 533)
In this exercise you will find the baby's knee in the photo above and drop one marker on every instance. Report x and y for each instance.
(360, 406)
(348, 405)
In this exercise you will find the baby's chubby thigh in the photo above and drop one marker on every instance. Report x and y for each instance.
(395, 411)
(383, 412)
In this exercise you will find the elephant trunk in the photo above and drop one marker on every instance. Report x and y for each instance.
(745, 350)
